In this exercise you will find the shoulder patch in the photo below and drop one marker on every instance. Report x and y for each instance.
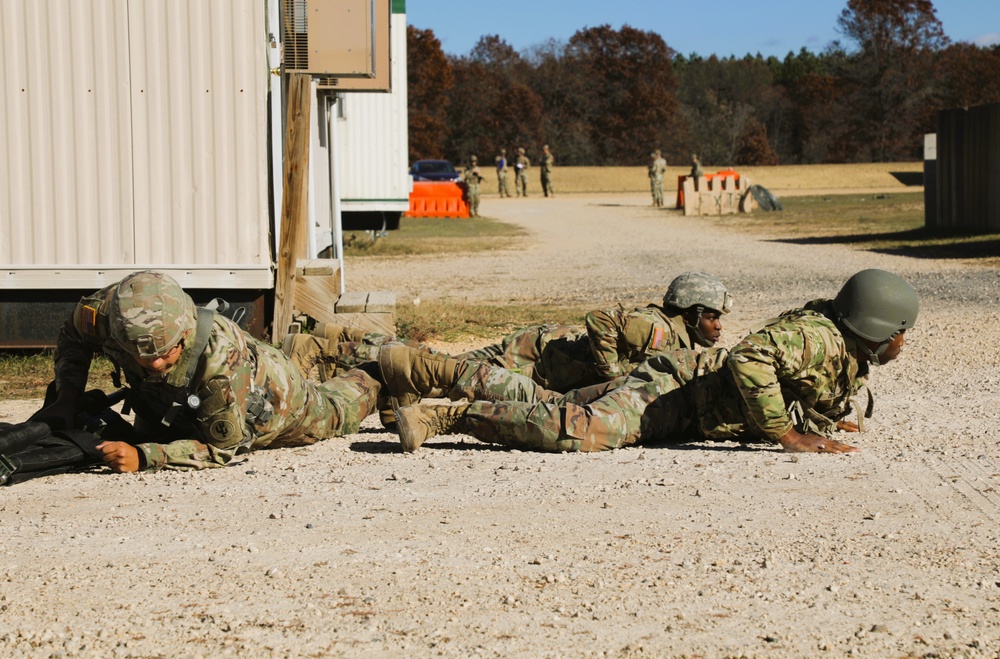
(89, 320)
(657, 340)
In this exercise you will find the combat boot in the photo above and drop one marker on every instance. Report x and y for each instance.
(411, 374)
(418, 423)
(339, 333)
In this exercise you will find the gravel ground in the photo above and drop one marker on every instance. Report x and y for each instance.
(350, 548)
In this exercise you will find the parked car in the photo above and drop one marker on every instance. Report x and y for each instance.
(434, 170)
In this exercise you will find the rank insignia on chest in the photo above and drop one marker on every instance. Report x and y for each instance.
(89, 321)
(657, 338)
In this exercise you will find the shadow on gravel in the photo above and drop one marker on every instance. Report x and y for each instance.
(962, 250)
(393, 446)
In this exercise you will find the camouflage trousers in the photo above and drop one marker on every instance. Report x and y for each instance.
(502, 187)
(333, 357)
(672, 397)
(557, 357)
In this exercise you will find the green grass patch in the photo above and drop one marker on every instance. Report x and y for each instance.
(26, 374)
(417, 235)
(888, 223)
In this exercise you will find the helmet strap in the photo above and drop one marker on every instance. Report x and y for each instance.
(695, 329)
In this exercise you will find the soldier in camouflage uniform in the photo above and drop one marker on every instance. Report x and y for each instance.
(472, 177)
(203, 390)
(791, 383)
(564, 357)
(501, 163)
(657, 168)
(521, 165)
(547, 161)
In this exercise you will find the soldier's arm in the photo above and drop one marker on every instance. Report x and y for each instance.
(756, 363)
(603, 331)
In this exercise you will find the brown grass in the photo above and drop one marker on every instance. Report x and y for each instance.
(784, 178)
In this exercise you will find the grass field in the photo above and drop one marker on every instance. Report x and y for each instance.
(787, 178)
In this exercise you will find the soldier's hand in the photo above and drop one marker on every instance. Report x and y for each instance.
(120, 456)
(848, 426)
(796, 442)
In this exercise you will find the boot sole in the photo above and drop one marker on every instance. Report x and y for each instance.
(406, 432)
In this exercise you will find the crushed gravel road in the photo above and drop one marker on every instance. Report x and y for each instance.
(351, 548)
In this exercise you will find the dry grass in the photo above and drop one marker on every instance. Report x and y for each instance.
(784, 178)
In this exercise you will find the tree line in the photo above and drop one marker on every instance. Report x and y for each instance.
(609, 97)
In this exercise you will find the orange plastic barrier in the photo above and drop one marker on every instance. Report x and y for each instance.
(708, 177)
(438, 199)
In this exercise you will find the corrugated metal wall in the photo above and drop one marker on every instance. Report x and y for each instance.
(968, 170)
(133, 133)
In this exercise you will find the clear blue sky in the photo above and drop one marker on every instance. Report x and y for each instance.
(720, 27)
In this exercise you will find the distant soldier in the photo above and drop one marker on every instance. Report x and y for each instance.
(696, 169)
(472, 178)
(657, 168)
(501, 162)
(790, 383)
(202, 389)
(521, 165)
(547, 162)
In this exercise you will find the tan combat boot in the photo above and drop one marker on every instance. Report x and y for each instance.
(418, 423)
(411, 374)
(339, 333)
(305, 351)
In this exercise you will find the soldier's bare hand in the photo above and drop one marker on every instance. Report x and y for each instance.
(119, 456)
(848, 426)
(796, 442)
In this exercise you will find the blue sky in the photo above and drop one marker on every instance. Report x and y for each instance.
(721, 27)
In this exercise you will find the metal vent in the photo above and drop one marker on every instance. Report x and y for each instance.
(295, 34)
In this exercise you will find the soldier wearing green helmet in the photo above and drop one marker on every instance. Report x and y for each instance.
(203, 390)
(791, 382)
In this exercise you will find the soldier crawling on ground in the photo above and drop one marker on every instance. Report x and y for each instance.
(202, 389)
(556, 357)
(791, 383)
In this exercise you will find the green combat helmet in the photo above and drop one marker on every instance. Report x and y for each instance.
(702, 292)
(150, 314)
(876, 305)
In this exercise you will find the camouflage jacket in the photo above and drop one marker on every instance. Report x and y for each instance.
(799, 370)
(547, 161)
(472, 177)
(657, 168)
(249, 395)
(620, 339)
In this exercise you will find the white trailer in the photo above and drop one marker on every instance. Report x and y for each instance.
(142, 134)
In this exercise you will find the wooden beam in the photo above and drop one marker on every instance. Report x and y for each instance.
(295, 200)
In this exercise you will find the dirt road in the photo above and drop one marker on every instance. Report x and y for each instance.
(350, 548)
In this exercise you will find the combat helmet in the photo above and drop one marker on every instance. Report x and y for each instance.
(876, 305)
(700, 291)
(150, 314)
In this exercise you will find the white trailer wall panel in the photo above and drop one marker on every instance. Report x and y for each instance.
(134, 135)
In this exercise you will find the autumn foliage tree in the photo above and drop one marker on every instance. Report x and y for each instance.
(429, 84)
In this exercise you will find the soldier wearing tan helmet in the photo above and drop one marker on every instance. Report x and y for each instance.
(203, 390)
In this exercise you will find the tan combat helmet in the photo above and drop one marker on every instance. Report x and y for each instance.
(700, 291)
(150, 314)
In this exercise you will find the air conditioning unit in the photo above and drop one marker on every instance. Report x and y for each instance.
(331, 38)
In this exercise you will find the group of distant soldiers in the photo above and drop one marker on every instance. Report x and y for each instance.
(204, 391)
(472, 176)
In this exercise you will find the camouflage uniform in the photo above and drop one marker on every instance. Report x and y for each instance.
(472, 177)
(547, 162)
(501, 162)
(799, 370)
(620, 339)
(521, 165)
(657, 168)
(250, 396)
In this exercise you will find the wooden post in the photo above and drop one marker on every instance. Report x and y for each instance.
(295, 200)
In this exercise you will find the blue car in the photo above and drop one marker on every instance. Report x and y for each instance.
(434, 170)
